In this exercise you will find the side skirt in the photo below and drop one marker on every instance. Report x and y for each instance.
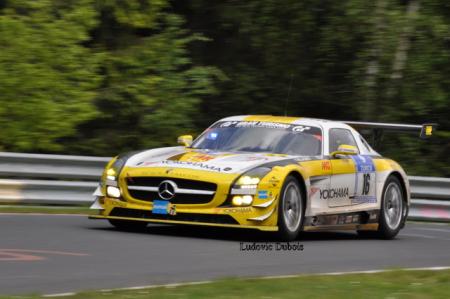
(367, 220)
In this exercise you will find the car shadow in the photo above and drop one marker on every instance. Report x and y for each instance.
(227, 234)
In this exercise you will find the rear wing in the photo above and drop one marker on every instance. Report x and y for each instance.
(426, 130)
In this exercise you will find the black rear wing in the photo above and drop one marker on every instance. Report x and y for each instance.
(426, 130)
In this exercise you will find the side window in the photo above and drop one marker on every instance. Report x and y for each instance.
(340, 136)
(365, 144)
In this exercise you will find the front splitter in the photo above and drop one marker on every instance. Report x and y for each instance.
(261, 228)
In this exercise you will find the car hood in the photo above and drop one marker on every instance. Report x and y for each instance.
(207, 160)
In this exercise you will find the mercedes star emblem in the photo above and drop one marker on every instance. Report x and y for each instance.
(166, 189)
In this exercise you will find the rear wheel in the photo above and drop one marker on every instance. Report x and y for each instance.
(392, 212)
(291, 210)
(128, 225)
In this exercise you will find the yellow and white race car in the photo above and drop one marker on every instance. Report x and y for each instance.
(281, 174)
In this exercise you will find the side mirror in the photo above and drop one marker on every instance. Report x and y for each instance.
(345, 150)
(185, 140)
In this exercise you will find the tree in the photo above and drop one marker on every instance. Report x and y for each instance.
(357, 60)
(47, 77)
(150, 89)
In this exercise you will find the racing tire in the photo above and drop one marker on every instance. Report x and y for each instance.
(291, 210)
(393, 211)
(128, 225)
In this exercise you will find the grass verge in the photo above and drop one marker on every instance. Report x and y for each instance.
(392, 284)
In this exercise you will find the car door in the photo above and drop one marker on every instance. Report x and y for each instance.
(343, 174)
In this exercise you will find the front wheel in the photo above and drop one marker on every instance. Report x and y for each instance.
(291, 210)
(392, 212)
(128, 225)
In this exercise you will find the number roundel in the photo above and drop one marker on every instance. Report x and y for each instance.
(366, 184)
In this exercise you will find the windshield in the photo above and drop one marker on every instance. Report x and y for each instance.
(255, 136)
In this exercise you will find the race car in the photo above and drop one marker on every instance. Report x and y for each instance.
(270, 173)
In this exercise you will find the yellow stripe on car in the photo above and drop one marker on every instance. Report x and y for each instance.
(271, 118)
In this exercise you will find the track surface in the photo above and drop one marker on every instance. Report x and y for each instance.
(54, 254)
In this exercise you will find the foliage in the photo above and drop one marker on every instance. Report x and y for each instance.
(149, 89)
(357, 60)
(104, 76)
(47, 77)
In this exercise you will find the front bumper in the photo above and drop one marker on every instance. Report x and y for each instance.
(262, 215)
(239, 217)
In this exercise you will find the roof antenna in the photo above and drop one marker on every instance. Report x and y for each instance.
(287, 97)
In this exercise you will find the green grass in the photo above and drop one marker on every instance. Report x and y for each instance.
(45, 209)
(392, 284)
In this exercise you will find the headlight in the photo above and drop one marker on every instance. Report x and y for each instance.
(245, 200)
(245, 187)
(113, 191)
(111, 174)
(113, 171)
(248, 180)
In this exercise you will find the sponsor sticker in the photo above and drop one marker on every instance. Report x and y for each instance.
(160, 207)
(263, 194)
(173, 210)
(228, 124)
(274, 181)
(270, 125)
(198, 165)
(237, 210)
(364, 199)
(363, 163)
(199, 158)
(326, 165)
(262, 124)
(300, 128)
(340, 193)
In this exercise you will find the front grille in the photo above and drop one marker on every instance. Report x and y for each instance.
(191, 217)
(182, 183)
(179, 198)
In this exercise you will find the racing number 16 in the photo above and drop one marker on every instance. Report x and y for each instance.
(366, 184)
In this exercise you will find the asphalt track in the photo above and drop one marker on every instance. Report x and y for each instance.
(56, 254)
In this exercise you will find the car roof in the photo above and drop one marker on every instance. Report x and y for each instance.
(323, 123)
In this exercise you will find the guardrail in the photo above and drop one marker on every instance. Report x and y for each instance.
(46, 192)
(51, 166)
(63, 179)
(71, 180)
(430, 198)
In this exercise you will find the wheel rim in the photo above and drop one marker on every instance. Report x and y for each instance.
(393, 206)
(292, 207)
